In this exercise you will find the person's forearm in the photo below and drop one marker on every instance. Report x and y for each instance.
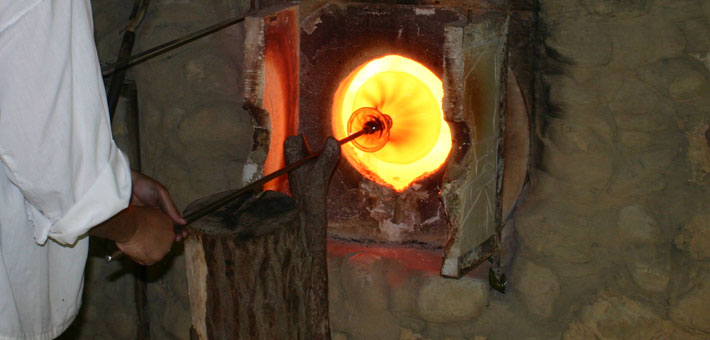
(145, 234)
(120, 228)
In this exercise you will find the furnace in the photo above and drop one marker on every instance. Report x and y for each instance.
(429, 188)
(443, 75)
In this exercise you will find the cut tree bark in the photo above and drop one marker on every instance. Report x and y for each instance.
(257, 267)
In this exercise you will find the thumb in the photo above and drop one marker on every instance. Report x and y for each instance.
(167, 205)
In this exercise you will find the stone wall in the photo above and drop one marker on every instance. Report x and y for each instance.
(622, 189)
(613, 238)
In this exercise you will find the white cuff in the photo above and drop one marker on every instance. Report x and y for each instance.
(109, 194)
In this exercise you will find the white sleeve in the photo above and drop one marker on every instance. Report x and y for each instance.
(55, 137)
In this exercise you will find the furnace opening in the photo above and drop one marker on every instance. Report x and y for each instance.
(407, 91)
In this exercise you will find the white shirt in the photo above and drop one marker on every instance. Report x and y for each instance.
(60, 171)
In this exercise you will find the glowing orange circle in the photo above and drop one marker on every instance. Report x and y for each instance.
(420, 139)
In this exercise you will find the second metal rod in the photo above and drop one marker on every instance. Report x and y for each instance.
(253, 186)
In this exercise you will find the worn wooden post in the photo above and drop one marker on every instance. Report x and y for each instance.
(257, 268)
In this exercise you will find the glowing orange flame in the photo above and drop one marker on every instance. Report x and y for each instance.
(420, 139)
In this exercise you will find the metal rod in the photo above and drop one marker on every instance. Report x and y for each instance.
(141, 280)
(117, 78)
(168, 46)
(253, 186)
(258, 184)
(124, 53)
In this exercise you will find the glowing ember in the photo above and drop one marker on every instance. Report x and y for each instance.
(420, 139)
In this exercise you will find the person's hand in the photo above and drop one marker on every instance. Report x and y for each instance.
(148, 192)
(153, 236)
(145, 230)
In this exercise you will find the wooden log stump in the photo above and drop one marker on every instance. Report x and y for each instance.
(257, 267)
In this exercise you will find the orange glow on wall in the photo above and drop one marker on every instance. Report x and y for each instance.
(275, 104)
(407, 91)
(280, 91)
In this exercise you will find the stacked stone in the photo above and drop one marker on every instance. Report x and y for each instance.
(615, 233)
(372, 297)
(624, 168)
